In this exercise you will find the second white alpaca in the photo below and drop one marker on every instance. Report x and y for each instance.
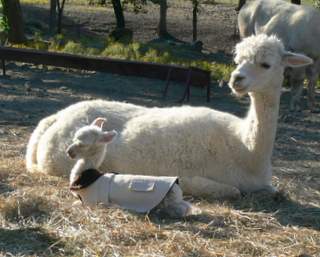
(298, 28)
(133, 192)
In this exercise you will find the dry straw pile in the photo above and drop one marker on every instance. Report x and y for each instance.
(38, 219)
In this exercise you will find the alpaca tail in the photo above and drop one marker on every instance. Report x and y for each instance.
(31, 154)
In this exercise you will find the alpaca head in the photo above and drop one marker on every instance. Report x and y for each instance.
(90, 141)
(261, 60)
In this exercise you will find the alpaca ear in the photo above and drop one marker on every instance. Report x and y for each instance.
(296, 60)
(98, 122)
(108, 136)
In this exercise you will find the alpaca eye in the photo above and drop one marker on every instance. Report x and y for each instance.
(265, 65)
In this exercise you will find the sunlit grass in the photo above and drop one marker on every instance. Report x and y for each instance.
(47, 2)
(34, 1)
(154, 52)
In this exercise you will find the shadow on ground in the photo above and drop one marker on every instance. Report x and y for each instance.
(287, 211)
(30, 241)
(30, 93)
(204, 225)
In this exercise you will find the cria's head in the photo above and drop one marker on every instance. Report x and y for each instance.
(261, 60)
(90, 140)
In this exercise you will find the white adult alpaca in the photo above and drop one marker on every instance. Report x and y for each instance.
(214, 153)
(298, 28)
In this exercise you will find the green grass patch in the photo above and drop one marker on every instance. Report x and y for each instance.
(47, 2)
(34, 1)
(156, 52)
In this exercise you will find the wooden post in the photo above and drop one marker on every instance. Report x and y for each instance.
(60, 7)
(187, 89)
(195, 20)
(208, 92)
(3, 67)
(296, 2)
(167, 84)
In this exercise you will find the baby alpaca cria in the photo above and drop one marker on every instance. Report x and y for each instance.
(133, 192)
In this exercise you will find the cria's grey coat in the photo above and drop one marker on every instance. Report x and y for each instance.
(133, 192)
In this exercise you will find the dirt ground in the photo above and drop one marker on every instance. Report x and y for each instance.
(216, 23)
(29, 93)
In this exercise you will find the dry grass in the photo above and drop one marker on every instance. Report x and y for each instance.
(37, 219)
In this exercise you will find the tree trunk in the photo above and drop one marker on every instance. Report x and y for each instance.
(60, 13)
(296, 1)
(195, 20)
(240, 4)
(118, 12)
(53, 15)
(12, 10)
(162, 28)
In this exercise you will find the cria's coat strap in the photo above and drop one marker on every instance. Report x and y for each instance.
(86, 178)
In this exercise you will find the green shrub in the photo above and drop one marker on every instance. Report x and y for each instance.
(156, 53)
(72, 47)
(316, 3)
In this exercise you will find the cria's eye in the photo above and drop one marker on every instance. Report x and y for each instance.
(265, 65)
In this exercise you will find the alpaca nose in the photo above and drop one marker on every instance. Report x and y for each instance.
(71, 153)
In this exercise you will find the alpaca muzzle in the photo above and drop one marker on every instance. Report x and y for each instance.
(70, 152)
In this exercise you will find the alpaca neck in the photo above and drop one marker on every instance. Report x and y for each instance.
(80, 166)
(98, 156)
(260, 127)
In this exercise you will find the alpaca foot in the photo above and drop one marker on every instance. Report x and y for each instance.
(76, 203)
(191, 209)
(268, 189)
(181, 210)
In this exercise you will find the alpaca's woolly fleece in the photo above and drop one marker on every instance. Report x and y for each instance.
(213, 153)
(257, 49)
(49, 141)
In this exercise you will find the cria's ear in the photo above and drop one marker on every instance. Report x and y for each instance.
(99, 122)
(108, 136)
(296, 60)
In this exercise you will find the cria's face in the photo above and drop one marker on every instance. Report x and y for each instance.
(84, 142)
(89, 141)
(256, 73)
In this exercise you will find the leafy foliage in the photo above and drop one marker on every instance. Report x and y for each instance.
(316, 3)
(4, 27)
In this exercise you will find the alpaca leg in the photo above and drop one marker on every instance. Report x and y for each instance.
(202, 186)
(312, 75)
(31, 154)
(268, 189)
(174, 206)
(296, 82)
(311, 93)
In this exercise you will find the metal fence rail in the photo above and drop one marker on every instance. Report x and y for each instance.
(189, 76)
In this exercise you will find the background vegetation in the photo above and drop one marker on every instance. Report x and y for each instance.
(120, 47)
